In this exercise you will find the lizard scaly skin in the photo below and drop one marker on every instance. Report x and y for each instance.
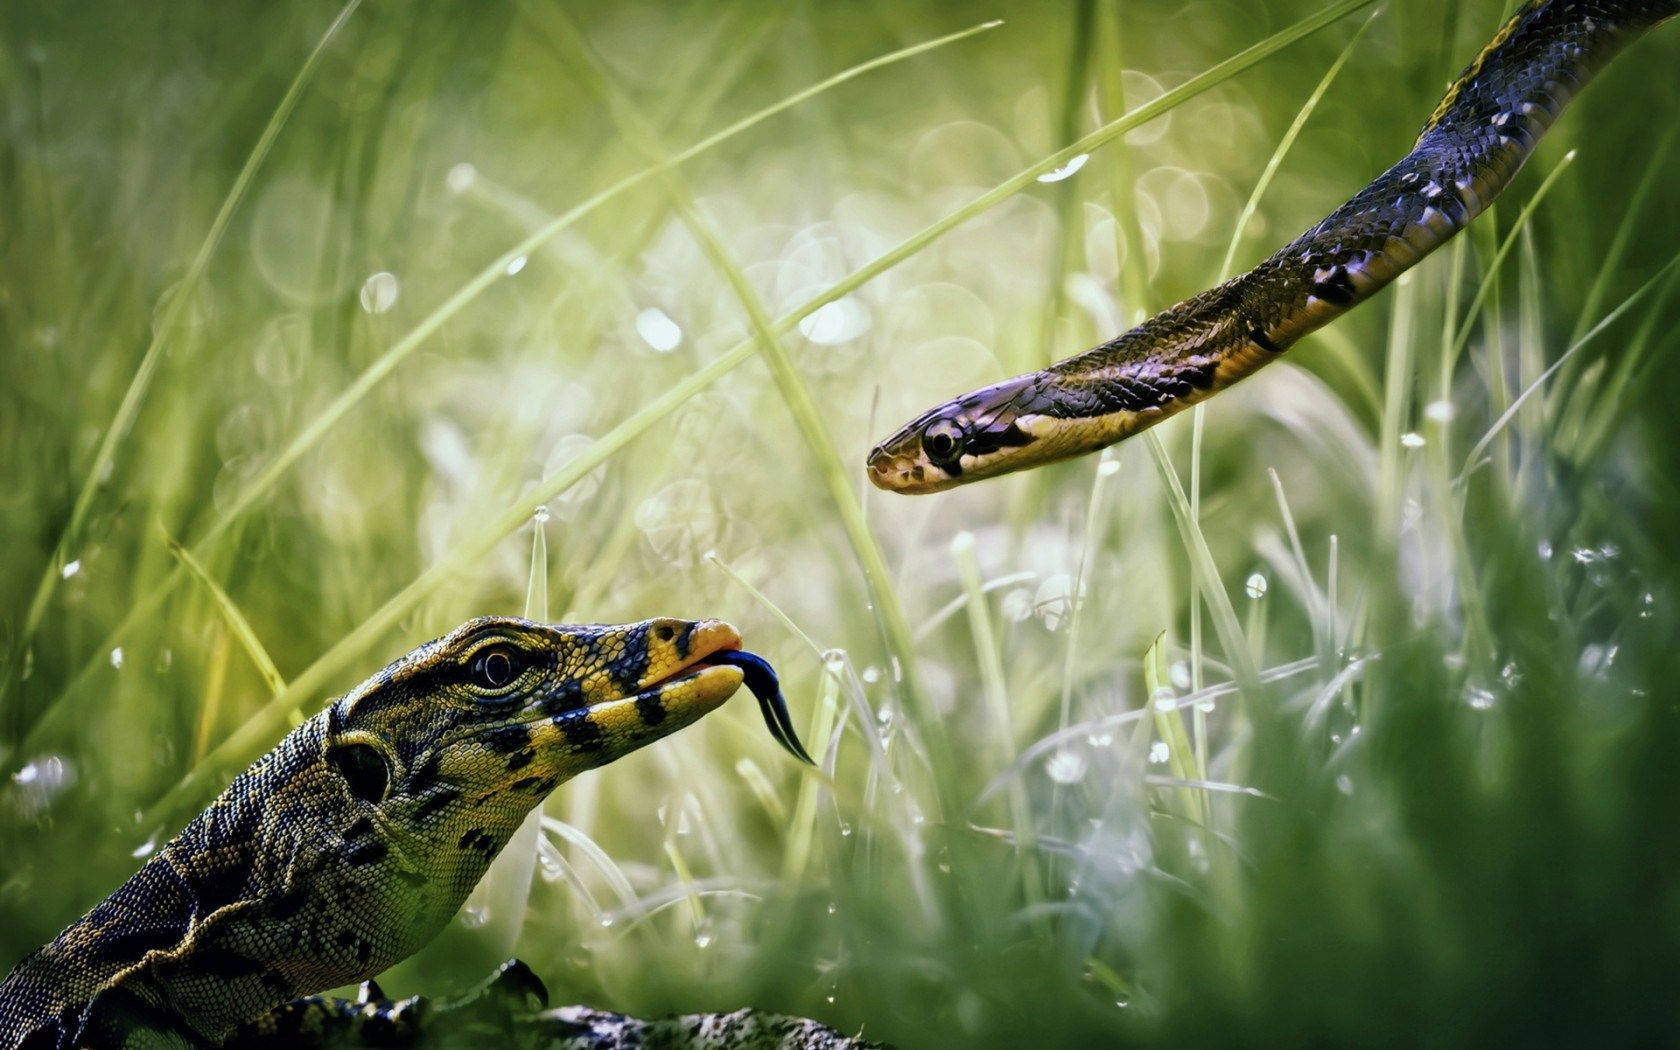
(349, 845)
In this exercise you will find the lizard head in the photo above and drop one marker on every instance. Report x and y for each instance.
(435, 760)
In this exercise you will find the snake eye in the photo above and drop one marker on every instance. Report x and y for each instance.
(942, 441)
(496, 667)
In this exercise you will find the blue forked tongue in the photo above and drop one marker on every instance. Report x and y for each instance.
(760, 677)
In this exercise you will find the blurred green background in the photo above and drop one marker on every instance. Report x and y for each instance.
(338, 325)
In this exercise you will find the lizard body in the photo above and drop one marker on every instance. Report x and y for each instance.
(351, 843)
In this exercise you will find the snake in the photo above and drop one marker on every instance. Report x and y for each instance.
(1469, 150)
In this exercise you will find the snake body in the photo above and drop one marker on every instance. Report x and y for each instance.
(1469, 150)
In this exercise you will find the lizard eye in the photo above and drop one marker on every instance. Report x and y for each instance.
(363, 768)
(496, 667)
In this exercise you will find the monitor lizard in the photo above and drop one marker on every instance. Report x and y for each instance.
(353, 842)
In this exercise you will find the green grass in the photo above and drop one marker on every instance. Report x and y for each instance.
(1412, 782)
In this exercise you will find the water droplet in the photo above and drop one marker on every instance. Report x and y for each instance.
(549, 861)
(1066, 766)
(516, 264)
(845, 829)
(1438, 411)
(1179, 674)
(832, 907)
(145, 849)
(1054, 600)
(1067, 170)
(680, 521)
(1256, 586)
(379, 292)
(835, 323)
(1159, 752)
(540, 515)
(1017, 605)
(41, 781)
(1344, 784)
(117, 657)
(1478, 696)
(1411, 439)
(702, 941)
(870, 675)
(1545, 549)
(70, 569)
(1100, 739)
(606, 922)
(474, 916)
(658, 330)
(1165, 699)
(1122, 1001)
(461, 178)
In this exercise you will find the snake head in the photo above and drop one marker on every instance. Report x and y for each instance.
(978, 435)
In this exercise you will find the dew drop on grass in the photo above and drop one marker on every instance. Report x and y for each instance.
(1256, 586)
(1344, 784)
(871, 675)
(1179, 674)
(549, 861)
(1158, 753)
(1067, 170)
(658, 330)
(1165, 699)
(1017, 605)
(379, 292)
(1438, 411)
(1412, 439)
(702, 941)
(1478, 696)
(833, 324)
(1066, 766)
(117, 657)
(70, 569)
(461, 178)
(474, 917)
(516, 264)
(1100, 739)
(145, 849)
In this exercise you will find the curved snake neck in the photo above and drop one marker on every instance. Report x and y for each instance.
(1472, 146)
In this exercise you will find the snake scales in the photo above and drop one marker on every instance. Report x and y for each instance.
(1470, 149)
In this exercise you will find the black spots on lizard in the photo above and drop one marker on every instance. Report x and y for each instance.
(683, 639)
(650, 708)
(356, 945)
(567, 695)
(365, 771)
(535, 785)
(370, 851)
(130, 946)
(434, 803)
(581, 732)
(630, 663)
(509, 739)
(479, 841)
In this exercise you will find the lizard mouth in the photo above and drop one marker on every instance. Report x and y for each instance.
(713, 675)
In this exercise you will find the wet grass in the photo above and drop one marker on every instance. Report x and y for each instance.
(1341, 712)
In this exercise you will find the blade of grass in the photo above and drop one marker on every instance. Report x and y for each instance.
(269, 476)
(990, 660)
(1169, 726)
(1206, 573)
(247, 736)
(236, 622)
(1473, 460)
(178, 298)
